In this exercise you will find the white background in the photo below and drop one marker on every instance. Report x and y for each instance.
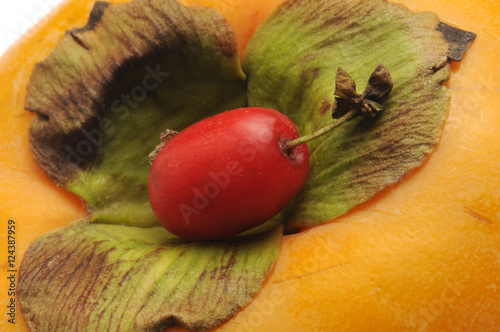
(17, 16)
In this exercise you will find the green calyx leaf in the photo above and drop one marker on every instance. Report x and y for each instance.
(115, 85)
(292, 62)
(139, 279)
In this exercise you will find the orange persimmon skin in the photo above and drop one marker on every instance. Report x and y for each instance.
(422, 255)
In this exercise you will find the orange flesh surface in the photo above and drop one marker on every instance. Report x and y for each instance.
(422, 255)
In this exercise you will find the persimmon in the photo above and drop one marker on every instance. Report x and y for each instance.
(421, 255)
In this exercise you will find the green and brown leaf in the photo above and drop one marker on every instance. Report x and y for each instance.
(115, 85)
(109, 89)
(292, 61)
(123, 278)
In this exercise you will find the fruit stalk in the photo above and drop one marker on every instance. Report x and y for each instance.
(289, 145)
(349, 104)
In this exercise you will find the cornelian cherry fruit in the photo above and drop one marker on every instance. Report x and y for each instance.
(227, 174)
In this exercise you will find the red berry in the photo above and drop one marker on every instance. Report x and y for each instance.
(227, 174)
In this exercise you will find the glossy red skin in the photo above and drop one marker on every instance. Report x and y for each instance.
(227, 174)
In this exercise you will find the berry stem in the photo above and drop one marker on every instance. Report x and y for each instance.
(288, 145)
